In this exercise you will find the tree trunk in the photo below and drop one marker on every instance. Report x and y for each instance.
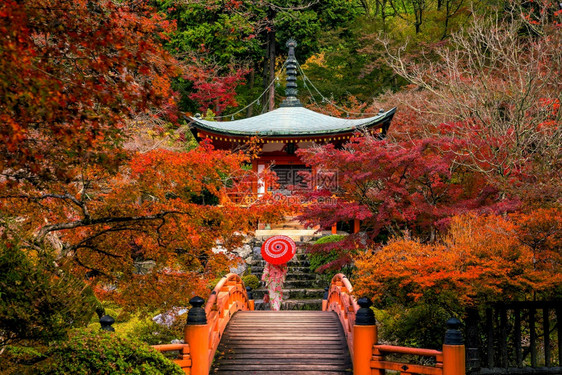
(271, 68)
(447, 15)
(418, 6)
(251, 79)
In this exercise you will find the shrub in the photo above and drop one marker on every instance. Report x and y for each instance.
(325, 260)
(329, 239)
(252, 281)
(153, 333)
(319, 259)
(39, 299)
(419, 326)
(88, 352)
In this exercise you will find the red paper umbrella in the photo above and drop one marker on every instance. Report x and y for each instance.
(278, 249)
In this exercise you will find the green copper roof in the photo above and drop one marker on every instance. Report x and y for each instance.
(291, 121)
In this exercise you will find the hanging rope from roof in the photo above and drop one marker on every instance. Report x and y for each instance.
(231, 115)
(305, 80)
(324, 99)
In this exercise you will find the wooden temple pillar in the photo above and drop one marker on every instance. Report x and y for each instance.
(356, 225)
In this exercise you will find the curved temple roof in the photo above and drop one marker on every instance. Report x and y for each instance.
(291, 121)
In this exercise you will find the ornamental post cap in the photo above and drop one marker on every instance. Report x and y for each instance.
(249, 292)
(106, 321)
(453, 336)
(364, 302)
(365, 316)
(196, 301)
(196, 315)
(453, 323)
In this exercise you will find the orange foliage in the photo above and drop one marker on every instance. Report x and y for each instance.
(483, 258)
(165, 210)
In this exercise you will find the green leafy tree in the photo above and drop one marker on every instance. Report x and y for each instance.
(91, 353)
(39, 300)
(250, 34)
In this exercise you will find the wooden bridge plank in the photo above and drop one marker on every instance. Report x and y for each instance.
(288, 335)
(289, 369)
(282, 372)
(287, 342)
(283, 361)
(284, 344)
(296, 355)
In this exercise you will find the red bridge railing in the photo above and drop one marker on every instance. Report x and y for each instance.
(205, 326)
(369, 357)
(340, 300)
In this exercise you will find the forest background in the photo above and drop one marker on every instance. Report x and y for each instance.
(99, 172)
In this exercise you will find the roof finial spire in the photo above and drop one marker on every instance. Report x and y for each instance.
(291, 99)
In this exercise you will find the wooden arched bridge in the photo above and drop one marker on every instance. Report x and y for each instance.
(226, 336)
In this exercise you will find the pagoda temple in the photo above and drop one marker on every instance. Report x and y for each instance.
(283, 131)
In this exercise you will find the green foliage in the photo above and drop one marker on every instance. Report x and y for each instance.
(252, 281)
(346, 66)
(39, 301)
(88, 353)
(330, 239)
(140, 326)
(152, 333)
(422, 326)
(213, 283)
(317, 260)
(222, 36)
(210, 29)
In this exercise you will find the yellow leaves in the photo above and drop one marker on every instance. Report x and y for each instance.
(318, 59)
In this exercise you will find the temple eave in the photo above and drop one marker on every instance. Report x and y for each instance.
(279, 136)
(229, 128)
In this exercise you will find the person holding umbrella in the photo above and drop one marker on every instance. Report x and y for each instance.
(277, 251)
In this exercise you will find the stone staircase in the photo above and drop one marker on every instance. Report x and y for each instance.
(303, 289)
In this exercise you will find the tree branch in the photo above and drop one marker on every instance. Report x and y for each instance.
(104, 220)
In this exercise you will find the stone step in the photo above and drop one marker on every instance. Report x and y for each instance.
(296, 258)
(302, 284)
(293, 263)
(301, 246)
(290, 275)
(303, 293)
(300, 254)
(293, 304)
(258, 269)
(291, 266)
(303, 235)
(299, 284)
(300, 270)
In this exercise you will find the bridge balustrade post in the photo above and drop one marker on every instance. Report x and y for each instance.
(364, 337)
(197, 336)
(453, 350)
(106, 323)
(325, 299)
(250, 298)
